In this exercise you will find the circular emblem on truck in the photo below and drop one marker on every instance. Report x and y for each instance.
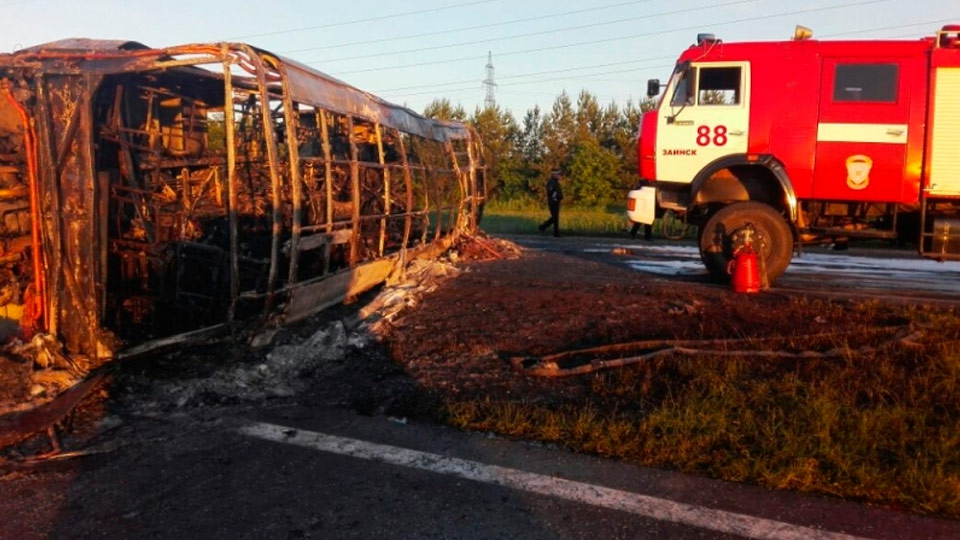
(858, 171)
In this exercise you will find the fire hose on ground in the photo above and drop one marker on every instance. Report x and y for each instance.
(595, 359)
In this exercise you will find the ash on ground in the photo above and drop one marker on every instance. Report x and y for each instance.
(333, 356)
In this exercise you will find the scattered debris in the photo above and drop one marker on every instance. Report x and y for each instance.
(108, 423)
(279, 375)
(691, 307)
(277, 364)
(358, 340)
(236, 383)
(55, 381)
(480, 247)
(324, 345)
(47, 352)
(97, 450)
(424, 276)
(19, 426)
(285, 368)
(264, 338)
(421, 276)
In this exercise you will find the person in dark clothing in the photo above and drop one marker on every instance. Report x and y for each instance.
(647, 231)
(554, 196)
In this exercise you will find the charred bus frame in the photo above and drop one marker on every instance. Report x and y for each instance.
(151, 196)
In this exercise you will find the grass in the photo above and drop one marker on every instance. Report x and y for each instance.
(882, 427)
(523, 218)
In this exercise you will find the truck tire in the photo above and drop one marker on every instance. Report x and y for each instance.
(773, 241)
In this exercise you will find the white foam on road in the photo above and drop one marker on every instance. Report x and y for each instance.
(668, 268)
(551, 486)
(856, 270)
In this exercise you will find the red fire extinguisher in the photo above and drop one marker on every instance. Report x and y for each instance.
(744, 267)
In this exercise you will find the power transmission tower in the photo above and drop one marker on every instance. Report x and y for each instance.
(489, 86)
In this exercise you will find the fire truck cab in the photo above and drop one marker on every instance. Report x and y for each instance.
(807, 142)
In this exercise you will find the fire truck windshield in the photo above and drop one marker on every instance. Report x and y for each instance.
(683, 92)
(671, 83)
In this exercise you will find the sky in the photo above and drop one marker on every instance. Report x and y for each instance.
(415, 51)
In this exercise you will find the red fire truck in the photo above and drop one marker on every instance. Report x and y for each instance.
(807, 142)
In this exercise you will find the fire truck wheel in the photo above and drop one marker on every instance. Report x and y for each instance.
(722, 233)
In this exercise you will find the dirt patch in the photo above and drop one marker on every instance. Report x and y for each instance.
(457, 340)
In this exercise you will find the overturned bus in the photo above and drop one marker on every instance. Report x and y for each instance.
(152, 196)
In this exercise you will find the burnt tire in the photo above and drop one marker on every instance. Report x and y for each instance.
(773, 240)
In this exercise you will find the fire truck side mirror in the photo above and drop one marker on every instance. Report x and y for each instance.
(653, 87)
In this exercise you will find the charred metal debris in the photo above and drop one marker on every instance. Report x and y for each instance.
(156, 196)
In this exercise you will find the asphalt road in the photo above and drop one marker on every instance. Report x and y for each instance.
(891, 274)
(214, 477)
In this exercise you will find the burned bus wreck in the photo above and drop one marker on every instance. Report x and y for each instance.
(155, 195)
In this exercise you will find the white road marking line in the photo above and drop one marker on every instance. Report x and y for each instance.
(614, 499)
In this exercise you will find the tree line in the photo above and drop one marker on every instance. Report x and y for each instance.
(594, 146)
